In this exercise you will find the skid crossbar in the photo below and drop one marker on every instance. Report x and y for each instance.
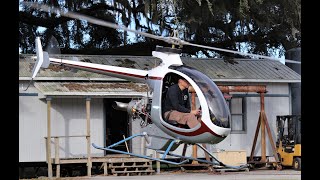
(109, 148)
(167, 152)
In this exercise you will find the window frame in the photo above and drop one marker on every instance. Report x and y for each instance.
(243, 114)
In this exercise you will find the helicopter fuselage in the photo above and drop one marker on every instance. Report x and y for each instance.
(206, 131)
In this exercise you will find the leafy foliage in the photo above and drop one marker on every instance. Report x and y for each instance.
(256, 26)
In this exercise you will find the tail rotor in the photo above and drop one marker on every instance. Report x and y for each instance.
(43, 57)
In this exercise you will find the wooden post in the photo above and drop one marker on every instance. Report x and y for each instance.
(105, 168)
(49, 137)
(205, 153)
(263, 129)
(263, 124)
(88, 137)
(194, 147)
(157, 163)
(255, 138)
(274, 149)
(124, 137)
(57, 158)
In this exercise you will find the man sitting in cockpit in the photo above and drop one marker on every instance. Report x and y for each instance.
(177, 104)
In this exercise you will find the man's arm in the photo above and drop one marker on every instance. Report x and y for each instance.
(188, 105)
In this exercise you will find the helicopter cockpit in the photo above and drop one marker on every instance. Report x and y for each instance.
(218, 110)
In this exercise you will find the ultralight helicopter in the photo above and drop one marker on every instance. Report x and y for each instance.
(214, 126)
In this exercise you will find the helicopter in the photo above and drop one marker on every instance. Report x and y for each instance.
(214, 126)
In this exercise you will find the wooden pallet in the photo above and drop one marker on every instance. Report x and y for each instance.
(129, 166)
(222, 170)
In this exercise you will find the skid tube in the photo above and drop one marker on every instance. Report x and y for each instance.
(109, 148)
(214, 162)
(166, 152)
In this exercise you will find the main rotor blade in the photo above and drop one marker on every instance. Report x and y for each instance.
(92, 20)
(241, 53)
(170, 40)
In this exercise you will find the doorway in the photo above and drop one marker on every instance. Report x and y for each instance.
(117, 124)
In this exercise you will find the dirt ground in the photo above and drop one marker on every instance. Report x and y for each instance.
(260, 174)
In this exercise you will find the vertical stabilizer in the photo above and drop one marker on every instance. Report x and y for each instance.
(40, 57)
(42, 60)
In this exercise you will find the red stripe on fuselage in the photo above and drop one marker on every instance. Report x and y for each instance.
(203, 128)
(155, 78)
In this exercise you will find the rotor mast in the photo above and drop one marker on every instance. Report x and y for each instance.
(169, 56)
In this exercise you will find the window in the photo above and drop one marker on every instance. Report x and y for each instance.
(237, 111)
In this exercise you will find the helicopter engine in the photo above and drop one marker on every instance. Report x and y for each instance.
(137, 109)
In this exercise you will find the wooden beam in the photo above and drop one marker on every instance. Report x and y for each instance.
(89, 163)
(157, 163)
(243, 88)
(124, 137)
(68, 136)
(255, 138)
(57, 158)
(205, 153)
(274, 149)
(263, 140)
(49, 137)
(194, 147)
(264, 125)
(105, 168)
(263, 130)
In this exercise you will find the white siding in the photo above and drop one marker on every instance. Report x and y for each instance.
(277, 88)
(32, 129)
(136, 142)
(68, 117)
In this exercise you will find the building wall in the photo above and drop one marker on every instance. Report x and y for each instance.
(138, 142)
(32, 128)
(68, 118)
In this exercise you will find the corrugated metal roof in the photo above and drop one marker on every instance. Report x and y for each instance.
(244, 70)
(91, 89)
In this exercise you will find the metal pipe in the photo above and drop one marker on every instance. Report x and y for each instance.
(120, 106)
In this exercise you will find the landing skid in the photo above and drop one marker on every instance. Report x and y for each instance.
(184, 159)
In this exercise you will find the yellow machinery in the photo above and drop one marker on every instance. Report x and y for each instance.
(289, 141)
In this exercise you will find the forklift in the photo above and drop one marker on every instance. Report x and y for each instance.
(289, 141)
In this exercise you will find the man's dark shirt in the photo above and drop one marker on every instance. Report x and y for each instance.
(177, 100)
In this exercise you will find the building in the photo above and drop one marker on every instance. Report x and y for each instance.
(69, 92)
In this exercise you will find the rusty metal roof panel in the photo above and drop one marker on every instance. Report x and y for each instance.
(55, 71)
(245, 70)
(92, 89)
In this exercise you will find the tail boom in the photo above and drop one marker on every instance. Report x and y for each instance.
(43, 60)
(114, 71)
